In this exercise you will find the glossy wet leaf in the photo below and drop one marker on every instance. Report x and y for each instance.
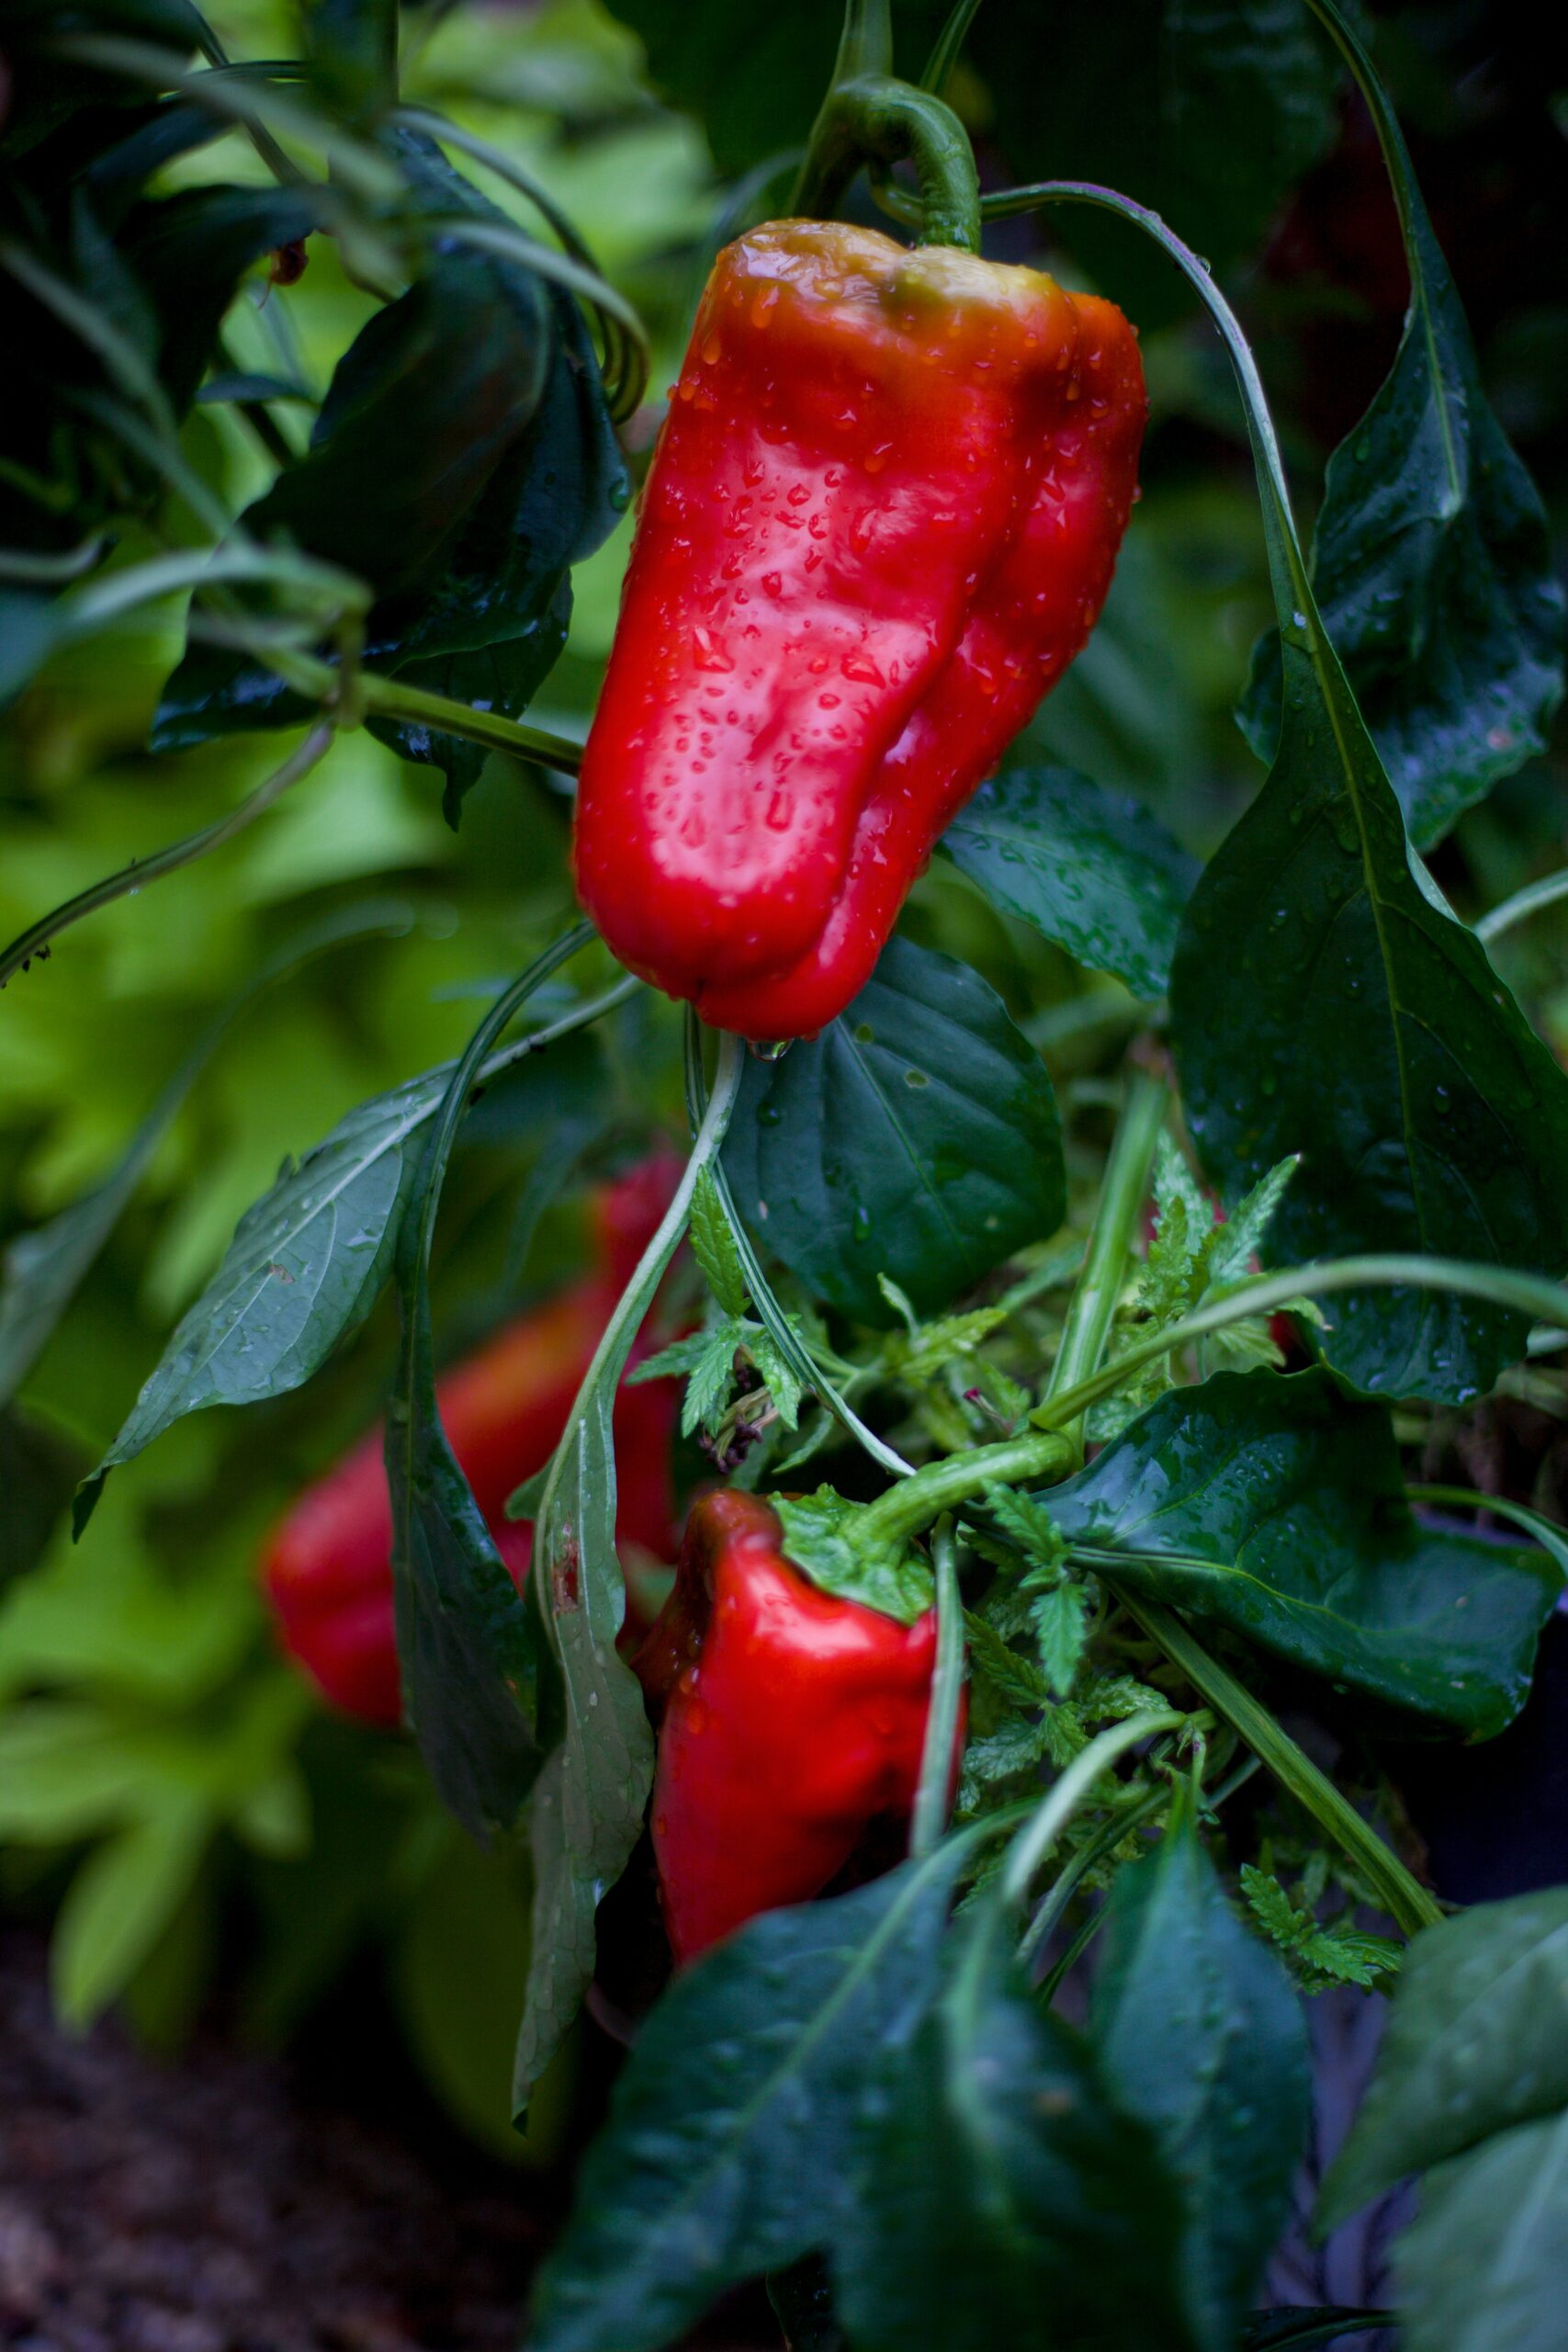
(1482, 2266)
(1000, 2197)
(1432, 562)
(1199, 2034)
(1276, 1507)
(1093, 870)
(305, 1267)
(736, 2122)
(917, 1136)
(1475, 2045)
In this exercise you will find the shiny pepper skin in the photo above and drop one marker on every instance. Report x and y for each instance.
(327, 1567)
(790, 1721)
(880, 520)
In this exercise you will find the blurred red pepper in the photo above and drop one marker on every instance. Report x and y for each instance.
(791, 1720)
(880, 522)
(327, 1567)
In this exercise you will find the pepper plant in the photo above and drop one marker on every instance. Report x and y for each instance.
(1066, 1491)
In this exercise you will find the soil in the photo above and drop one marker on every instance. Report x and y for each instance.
(228, 2201)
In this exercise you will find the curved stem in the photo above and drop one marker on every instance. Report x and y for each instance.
(933, 1796)
(909, 1508)
(1265, 1294)
(32, 941)
(1401, 1895)
(1524, 903)
(1071, 1791)
(949, 42)
(390, 698)
(1123, 1194)
(872, 118)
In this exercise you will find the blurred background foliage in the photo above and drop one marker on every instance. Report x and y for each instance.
(171, 1793)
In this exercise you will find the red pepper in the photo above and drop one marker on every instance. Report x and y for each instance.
(880, 520)
(327, 1567)
(790, 1721)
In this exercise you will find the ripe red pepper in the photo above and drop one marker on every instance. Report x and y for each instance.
(327, 1565)
(880, 520)
(791, 1720)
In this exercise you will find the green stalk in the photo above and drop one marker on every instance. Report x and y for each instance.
(1123, 1194)
(390, 698)
(1525, 903)
(1070, 1791)
(32, 941)
(911, 1506)
(1401, 1895)
(947, 1683)
(870, 117)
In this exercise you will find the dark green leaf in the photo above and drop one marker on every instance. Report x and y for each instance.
(1001, 2199)
(1200, 2036)
(1209, 114)
(1481, 2268)
(189, 251)
(587, 1811)
(1294, 2327)
(802, 2298)
(483, 380)
(1432, 561)
(1093, 870)
(755, 82)
(917, 1136)
(1474, 2045)
(735, 2125)
(38, 1469)
(47, 88)
(1312, 946)
(466, 1645)
(1275, 1506)
(235, 386)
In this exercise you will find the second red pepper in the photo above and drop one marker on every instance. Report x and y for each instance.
(327, 1567)
(790, 1721)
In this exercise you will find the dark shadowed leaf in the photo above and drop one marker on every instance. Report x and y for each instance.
(1199, 2035)
(917, 1138)
(1474, 2046)
(1093, 870)
(1001, 2199)
(736, 2124)
(1277, 1506)
(1432, 560)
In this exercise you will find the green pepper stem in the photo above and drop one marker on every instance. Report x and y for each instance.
(390, 698)
(872, 118)
(1122, 1194)
(910, 1507)
(947, 1683)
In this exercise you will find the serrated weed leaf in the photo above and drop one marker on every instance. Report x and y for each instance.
(917, 1136)
(736, 2125)
(1200, 2035)
(713, 1245)
(1276, 1507)
(1477, 2043)
(1093, 870)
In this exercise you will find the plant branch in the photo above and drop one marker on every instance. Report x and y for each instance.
(934, 1794)
(1123, 1194)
